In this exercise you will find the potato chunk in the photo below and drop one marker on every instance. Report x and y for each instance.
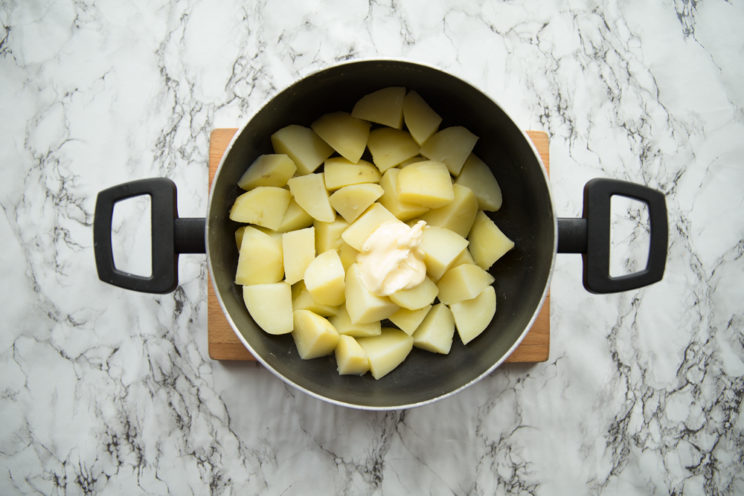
(389, 147)
(436, 331)
(487, 242)
(358, 232)
(440, 247)
(351, 359)
(343, 324)
(451, 146)
(303, 146)
(328, 235)
(458, 215)
(302, 300)
(259, 259)
(351, 201)
(417, 297)
(294, 218)
(390, 199)
(363, 306)
(425, 183)
(386, 351)
(310, 193)
(339, 172)
(409, 320)
(298, 248)
(270, 306)
(383, 106)
(313, 335)
(273, 169)
(476, 175)
(473, 316)
(463, 282)
(324, 279)
(264, 206)
(346, 134)
(421, 120)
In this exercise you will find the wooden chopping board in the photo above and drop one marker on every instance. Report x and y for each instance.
(224, 344)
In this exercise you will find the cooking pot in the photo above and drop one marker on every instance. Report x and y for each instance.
(522, 275)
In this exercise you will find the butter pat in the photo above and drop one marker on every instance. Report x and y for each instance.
(390, 259)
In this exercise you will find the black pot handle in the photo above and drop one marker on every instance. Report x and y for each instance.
(590, 236)
(170, 235)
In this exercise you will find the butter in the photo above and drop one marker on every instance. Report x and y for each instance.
(390, 259)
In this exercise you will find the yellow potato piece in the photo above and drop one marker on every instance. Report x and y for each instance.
(347, 254)
(264, 206)
(346, 134)
(425, 183)
(463, 282)
(390, 199)
(259, 259)
(314, 335)
(389, 147)
(383, 106)
(451, 146)
(463, 258)
(302, 300)
(273, 169)
(473, 316)
(358, 232)
(477, 176)
(302, 145)
(421, 120)
(363, 306)
(324, 279)
(386, 351)
(351, 201)
(440, 247)
(294, 218)
(270, 306)
(351, 359)
(487, 242)
(417, 297)
(458, 215)
(409, 320)
(328, 235)
(436, 332)
(343, 324)
(339, 172)
(239, 236)
(310, 193)
(298, 248)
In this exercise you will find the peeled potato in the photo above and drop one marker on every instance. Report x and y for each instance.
(358, 232)
(409, 320)
(272, 169)
(310, 193)
(389, 147)
(451, 146)
(476, 175)
(302, 300)
(421, 120)
(328, 235)
(339, 172)
(351, 359)
(294, 218)
(324, 278)
(383, 106)
(298, 248)
(425, 183)
(363, 306)
(264, 206)
(314, 336)
(440, 247)
(463, 282)
(473, 316)
(436, 331)
(270, 306)
(487, 242)
(302, 145)
(343, 324)
(416, 297)
(259, 259)
(458, 215)
(351, 201)
(239, 236)
(390, 199)
(386, 351)
(347, 254)
(346, 134)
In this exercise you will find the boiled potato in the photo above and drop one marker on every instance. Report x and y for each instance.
(383, 106)
(390, 199)
(463, 258)
(476, 175)
(302, 300)
(272, 169)
(298, 248)
(259, 259)
(324, 279)
(473, 316)
(270, 306)
(239, 236)
(458, 215)
(487, 242)
(386, 351)
(451, 146)
(436, 331)
(358, 232)
(409, 320)
(302, 145)
(346, 134)
(440, 247)
(412, 160)
(420, 118)
(416, 297)
(343, 324)
(425, 183)
(351, 201)
(389, 147)
(351, 359)
(363, 306)
(328, 235)
(347, 254)
(264, 206)
(463, 282)
(294, 218)
(339, 172)
(314, 335)
(310, 193)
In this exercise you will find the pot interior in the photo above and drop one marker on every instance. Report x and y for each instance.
(526, 217)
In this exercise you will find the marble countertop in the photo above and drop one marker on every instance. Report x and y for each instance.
(108, 391)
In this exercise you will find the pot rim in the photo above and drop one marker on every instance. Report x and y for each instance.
(496, 364)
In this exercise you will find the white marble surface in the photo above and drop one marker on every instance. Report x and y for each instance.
(108, 391)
